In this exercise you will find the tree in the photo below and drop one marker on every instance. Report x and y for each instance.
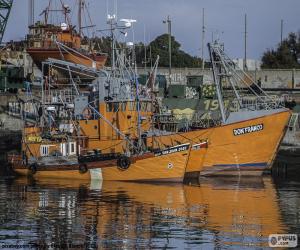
(160, 46)
(285, 56)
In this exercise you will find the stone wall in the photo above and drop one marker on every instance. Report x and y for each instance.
(8, 121)
(289, 78)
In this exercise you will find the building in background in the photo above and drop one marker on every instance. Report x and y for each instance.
(252, 64)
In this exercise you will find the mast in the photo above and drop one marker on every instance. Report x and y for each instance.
(215, 64)
(281, 31)
(245, 34)
(145, 49)
(169, 23)
(80, 11)
(31, 13)
(46, 12)
(203, 38)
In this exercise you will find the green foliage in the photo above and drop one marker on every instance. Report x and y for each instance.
(285, 56)
(159, 46)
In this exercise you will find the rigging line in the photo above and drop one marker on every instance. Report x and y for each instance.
(192, 139)
(70, 75)
(248, 86)
(248, 76)
(241, 79)
(73, 71)
(90, 18)
(68, 49)
(86, 23)
(230, 81)
(234, 72)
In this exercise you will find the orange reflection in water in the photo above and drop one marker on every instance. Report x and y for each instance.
(122, 214)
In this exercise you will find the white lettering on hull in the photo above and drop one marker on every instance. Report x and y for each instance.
(172, 150)
(247, 130)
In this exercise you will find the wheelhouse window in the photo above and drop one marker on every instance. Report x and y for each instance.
(112, 107)
(44, 150)
(123, 106)
(72, 148)
(109, 107)
(115, 107)
(149, 107)
(143, 106)
(131, 106)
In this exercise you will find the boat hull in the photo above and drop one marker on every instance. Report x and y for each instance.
(168, 168)
(245, 148)
(234, 152)
(58, 174)
(41, 55)
(165, 166)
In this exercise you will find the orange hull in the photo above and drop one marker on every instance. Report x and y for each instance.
(226, 154)
(168, 165)
(40, 55)
(59, 174)
(242, 148)
(229, 154)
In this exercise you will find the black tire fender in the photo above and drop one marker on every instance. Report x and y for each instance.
(33, 168)
(124, 162)
(83, 168)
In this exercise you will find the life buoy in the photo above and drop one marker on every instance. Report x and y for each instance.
(83, 168)
(123, 162)
(87, 113)
(33, 168)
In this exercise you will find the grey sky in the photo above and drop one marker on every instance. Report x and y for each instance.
(223, 17)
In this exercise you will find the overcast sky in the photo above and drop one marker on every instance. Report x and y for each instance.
(224, 18)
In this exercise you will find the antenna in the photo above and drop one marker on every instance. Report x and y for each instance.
(281, 31)
(116, 8)
(145, 49)
(31, 12)
(80, 10)
(168, 21)
(246, 33)
(203, 40)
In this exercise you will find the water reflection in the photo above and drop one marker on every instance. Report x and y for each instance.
(217, 213)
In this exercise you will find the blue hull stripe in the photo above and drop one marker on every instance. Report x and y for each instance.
(261, 164)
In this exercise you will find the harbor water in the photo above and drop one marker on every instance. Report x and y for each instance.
(218, 213)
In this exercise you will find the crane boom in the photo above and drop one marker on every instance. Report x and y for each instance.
(5, 8)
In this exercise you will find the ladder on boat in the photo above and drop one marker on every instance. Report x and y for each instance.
(293, 122)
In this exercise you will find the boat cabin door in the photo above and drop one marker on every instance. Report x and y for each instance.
(68, 148)
(63, 149)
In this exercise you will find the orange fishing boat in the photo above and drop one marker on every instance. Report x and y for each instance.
(118, 133)
(57, 159)
(60, 42)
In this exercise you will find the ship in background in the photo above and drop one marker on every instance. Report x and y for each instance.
(61, 41)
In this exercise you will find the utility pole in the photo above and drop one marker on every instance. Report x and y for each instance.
(203, 40)
(145, 49)
(281, 31)
(168, 21)
(31, 13)
(80, 10)
(246, 33)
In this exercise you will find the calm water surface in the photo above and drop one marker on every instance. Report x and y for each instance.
(218, 213)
